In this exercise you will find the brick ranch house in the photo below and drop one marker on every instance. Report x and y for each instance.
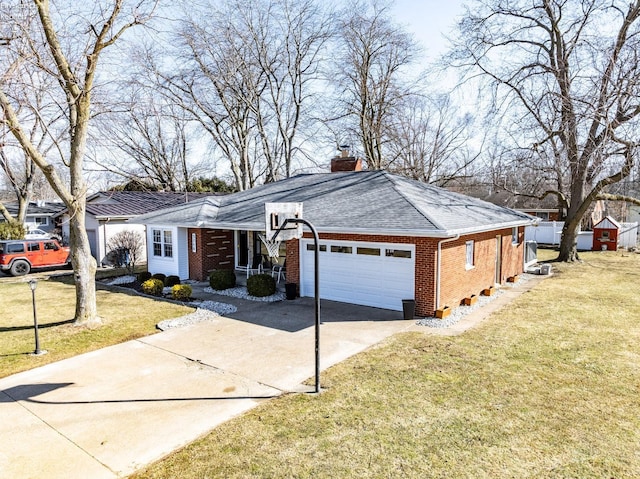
(383, 238)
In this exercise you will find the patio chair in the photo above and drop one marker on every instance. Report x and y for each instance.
(267, 264)
(280, 270)
(255, 268)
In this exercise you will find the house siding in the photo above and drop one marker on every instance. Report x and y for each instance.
(457, 282)
(161, 264)
(214, 250)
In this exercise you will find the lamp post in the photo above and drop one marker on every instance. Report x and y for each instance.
(33, 284)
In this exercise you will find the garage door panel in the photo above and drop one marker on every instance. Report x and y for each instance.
(366, 275)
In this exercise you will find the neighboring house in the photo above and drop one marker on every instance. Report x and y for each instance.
(383, 238)
(108, 212)
(546, 209)
(545, 214)
(40, 214)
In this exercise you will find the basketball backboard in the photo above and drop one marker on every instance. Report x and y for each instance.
(275, 215)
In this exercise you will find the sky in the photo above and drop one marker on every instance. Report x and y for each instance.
(429, 20)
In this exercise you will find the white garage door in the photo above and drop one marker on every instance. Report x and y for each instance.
(371, 274)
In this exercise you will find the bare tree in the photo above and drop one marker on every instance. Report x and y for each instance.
(428, 140)
(218, 86)
(72, 60)
(126, 248)
(567, 77)
(287, 39)
(372, 55)
(149, 144)
(246, 74)
(38, 112)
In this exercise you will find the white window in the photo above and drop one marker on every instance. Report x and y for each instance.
(162, 243)
(514, 236)
(41, 221)
(469, 246)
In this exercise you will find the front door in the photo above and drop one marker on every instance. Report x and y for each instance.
(243, 248)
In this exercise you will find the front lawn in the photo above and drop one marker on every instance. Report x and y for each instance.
(549, 387)
(126, 316)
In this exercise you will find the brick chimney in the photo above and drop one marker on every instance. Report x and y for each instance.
(345, 162)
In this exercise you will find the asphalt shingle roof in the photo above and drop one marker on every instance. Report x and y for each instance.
(134, 203)
(368, 202)
(35, 209)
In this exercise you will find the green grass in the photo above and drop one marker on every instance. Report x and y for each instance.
(549, 386)
(125, 316)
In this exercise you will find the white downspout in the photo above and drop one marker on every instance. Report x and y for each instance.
(439, 266)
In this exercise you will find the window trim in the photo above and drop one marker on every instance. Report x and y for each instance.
(162, 243)
(469, 254)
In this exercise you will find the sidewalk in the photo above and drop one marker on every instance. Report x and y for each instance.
(108, 413)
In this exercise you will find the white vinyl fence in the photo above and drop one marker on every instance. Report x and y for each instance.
(549, 232)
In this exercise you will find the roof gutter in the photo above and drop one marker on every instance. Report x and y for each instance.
(365, 231)
(439, 266)
(113, 217)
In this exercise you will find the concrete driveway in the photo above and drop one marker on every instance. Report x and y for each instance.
(110, 412)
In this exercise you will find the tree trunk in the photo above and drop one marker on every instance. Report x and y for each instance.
(569, 241)
(84, 269)
(23, 206)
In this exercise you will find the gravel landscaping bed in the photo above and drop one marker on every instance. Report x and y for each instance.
(206, 311)
(121, 280)
(461, 311)
(215, 306)
(241, 292)
(197, 316)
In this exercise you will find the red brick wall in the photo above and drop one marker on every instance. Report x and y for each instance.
(293, 262)
(457, 282)
(214, 250)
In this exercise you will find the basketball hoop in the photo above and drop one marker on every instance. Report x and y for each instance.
(275, 220)
(273, 246)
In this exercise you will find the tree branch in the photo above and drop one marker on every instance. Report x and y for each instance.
(610, 197)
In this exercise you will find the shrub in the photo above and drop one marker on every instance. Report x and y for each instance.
(161, 276)
(142, 277)
(261, 285)
(153, 287)
(222, 279)
(171, 281)
(12, 230)
(181, 292)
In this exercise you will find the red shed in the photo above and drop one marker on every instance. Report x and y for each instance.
(605, 234)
